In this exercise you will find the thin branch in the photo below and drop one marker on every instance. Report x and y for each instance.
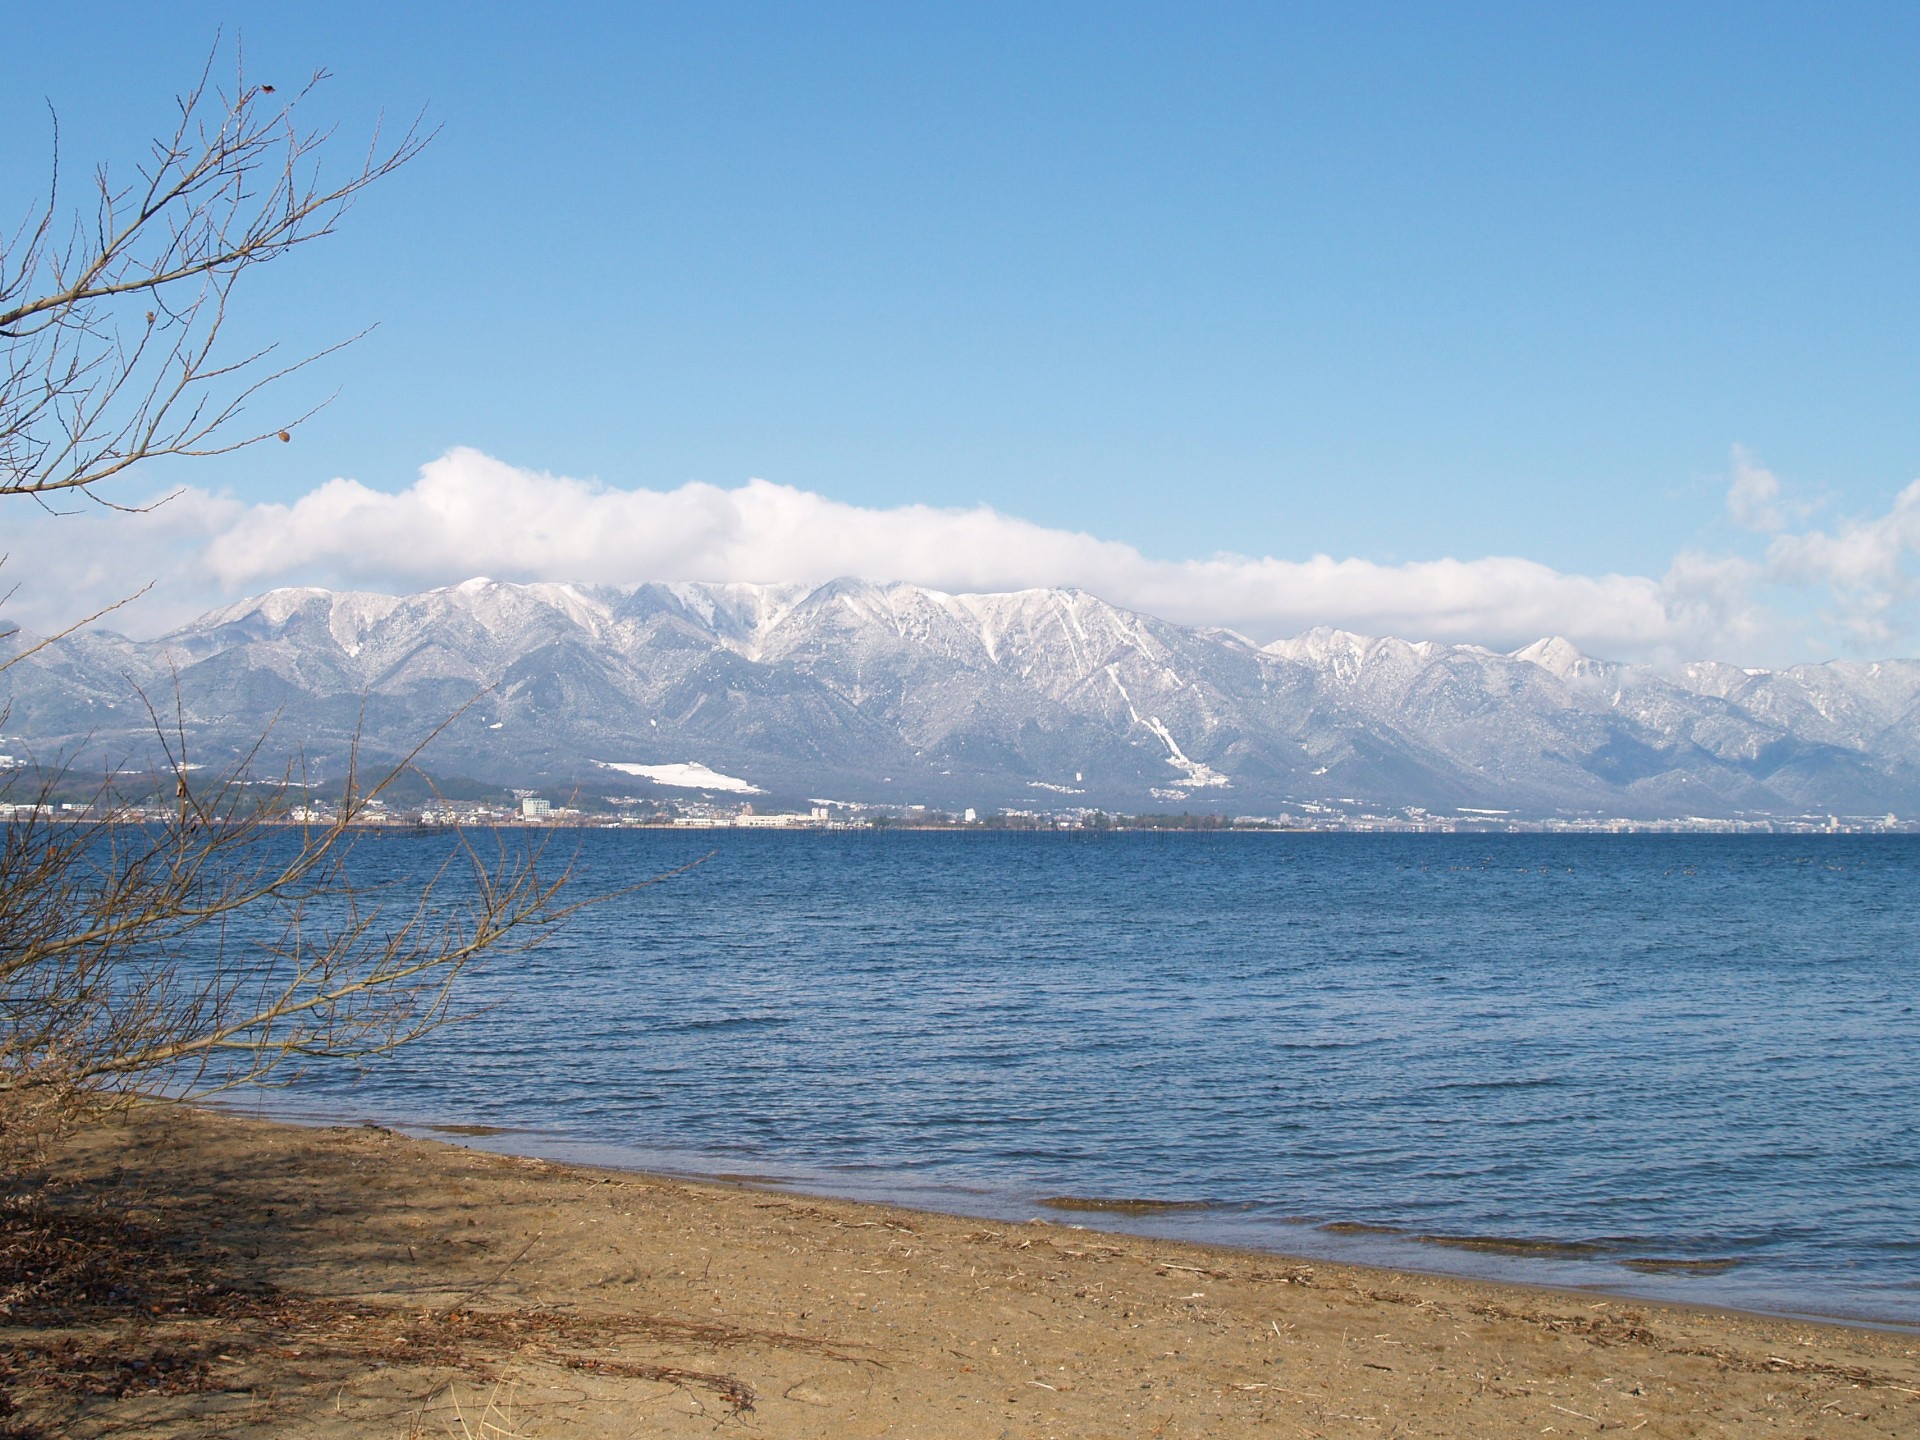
(74, 628)
(108, 337)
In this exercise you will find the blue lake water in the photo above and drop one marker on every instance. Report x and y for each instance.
(1672, 1066)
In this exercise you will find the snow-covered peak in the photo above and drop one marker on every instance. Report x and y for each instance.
(352, 608)
(275, 607)
(502, 606)
(1345, 654)
(1714, 678)
(738, 611)
(1322, 646)
(1557, 656)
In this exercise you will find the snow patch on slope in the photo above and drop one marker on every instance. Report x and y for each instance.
(1198, 775)
(690, 776)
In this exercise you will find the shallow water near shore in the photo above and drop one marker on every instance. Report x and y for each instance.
(1685, 1067)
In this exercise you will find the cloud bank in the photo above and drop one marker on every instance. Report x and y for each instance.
(468, 514)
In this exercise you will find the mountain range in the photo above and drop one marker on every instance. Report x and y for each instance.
(1037, 699)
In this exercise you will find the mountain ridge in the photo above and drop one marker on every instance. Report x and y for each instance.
(894, 693)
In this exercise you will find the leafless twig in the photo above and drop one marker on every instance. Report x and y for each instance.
(110, 317)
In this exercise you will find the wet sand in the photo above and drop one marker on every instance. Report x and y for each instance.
(275, 1280)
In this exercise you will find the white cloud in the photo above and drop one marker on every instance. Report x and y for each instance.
(1865, 562)
(468, 514)
(60, 567)
(1713, 599)
(1753, 495)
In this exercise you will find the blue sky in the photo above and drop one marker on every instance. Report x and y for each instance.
(1387, 284)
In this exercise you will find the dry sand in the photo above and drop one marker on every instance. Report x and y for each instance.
(281, 1281)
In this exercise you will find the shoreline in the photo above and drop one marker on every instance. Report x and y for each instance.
(1528, 1263)
(1767, 827)
(350, 1280)
(1092, 1216)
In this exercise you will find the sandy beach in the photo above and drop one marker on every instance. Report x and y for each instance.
(192, 1273)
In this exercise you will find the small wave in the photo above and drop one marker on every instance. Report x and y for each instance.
(1123, 1206)
(1486, 1244)
(1655, 1265)
(1517, 1245)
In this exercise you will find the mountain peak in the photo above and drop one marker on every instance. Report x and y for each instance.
(1558, 656)
(1321, 645)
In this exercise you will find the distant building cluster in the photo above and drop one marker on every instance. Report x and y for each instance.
(530, 808)
(1309, 817)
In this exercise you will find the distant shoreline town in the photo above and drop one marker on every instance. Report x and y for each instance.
(529, 810)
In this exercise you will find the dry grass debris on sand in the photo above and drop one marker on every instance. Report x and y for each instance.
(183, 1273)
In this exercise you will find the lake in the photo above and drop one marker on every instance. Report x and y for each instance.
(1674, 1066)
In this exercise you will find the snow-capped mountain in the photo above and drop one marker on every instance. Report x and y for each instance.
(1039, 699)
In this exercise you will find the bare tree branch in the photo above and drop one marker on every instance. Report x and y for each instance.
(7, 632)
(186, 942)
(213, 947)
(109, 325)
